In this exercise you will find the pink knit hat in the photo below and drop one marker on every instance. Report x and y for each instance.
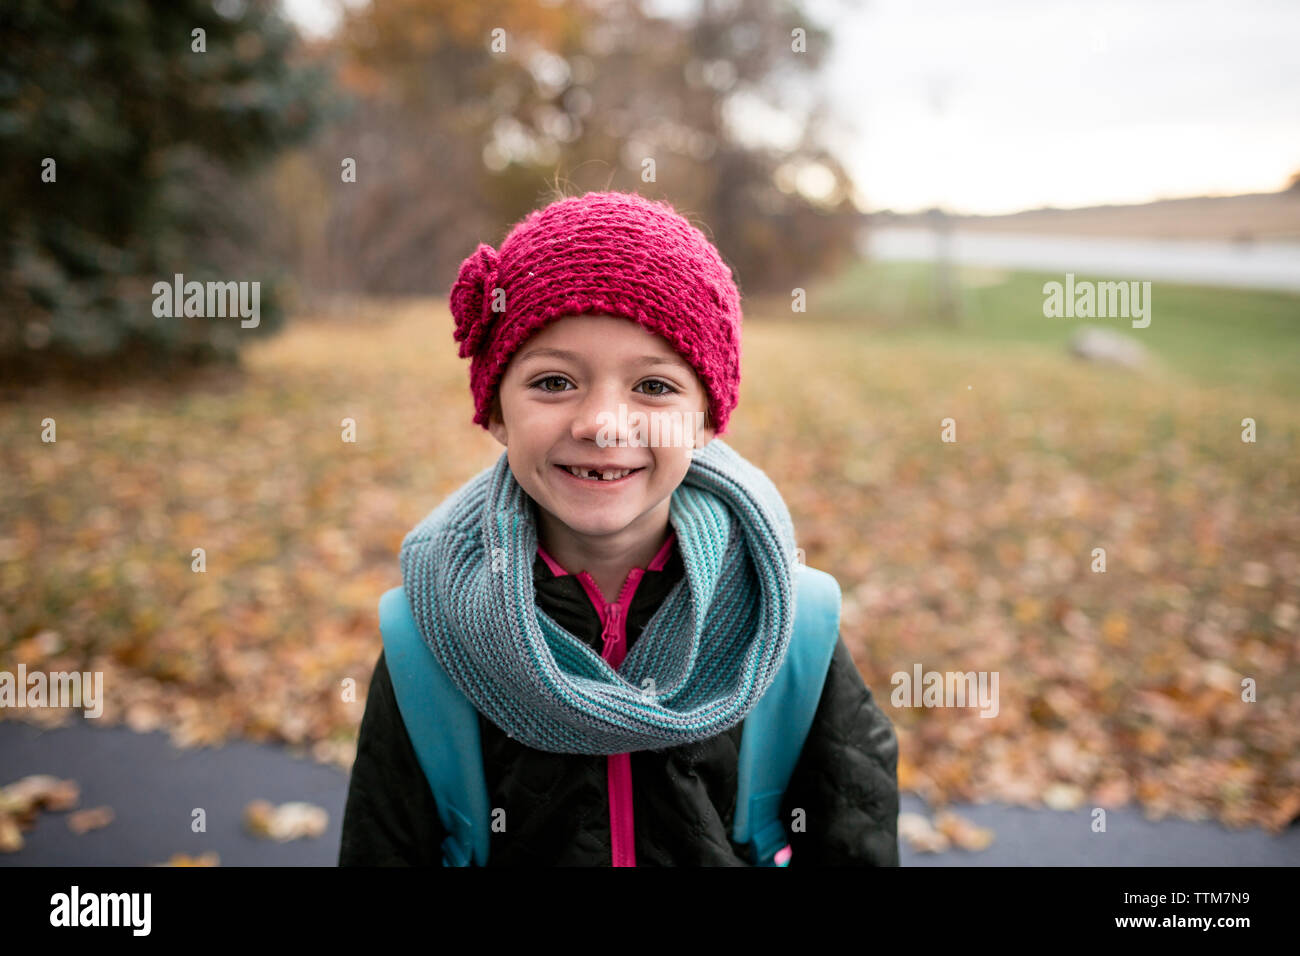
(609, 252)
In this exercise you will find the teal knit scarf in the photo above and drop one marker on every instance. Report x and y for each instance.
(702, 662)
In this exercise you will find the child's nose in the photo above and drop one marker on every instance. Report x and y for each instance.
(596, 417)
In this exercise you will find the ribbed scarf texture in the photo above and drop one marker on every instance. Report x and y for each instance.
(699, 666)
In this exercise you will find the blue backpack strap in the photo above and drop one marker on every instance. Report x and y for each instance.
(443, 727)
(775, 730)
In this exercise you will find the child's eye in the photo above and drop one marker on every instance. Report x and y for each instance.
(668, 389)
(539, 384)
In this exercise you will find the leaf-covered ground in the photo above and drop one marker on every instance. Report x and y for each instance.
(974, 555)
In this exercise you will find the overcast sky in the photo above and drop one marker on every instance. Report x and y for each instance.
(985, 107)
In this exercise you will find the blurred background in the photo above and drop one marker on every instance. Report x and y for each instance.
(892, 183)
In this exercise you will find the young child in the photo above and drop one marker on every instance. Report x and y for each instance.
(670, 561)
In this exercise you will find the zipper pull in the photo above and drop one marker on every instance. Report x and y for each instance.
(610, 634)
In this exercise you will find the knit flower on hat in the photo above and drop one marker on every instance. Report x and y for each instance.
(471, 299)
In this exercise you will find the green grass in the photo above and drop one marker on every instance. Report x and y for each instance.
(1218, 337)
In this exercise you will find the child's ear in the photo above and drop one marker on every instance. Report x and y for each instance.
(703, 436)
(497, 427)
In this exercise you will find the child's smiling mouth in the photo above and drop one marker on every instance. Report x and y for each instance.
(591, 477)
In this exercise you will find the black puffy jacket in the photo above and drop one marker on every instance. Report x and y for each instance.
(557, 805)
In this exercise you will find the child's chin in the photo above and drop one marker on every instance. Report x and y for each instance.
(595, 519)
(584, 522)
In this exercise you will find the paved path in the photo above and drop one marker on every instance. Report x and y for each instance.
(1255, 265)
(153, 788)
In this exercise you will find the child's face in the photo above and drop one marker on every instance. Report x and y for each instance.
(559, 409)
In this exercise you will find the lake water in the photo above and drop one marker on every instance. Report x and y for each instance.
(1259, 265)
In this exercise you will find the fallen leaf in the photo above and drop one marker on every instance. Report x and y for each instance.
(962, 832)
(1256, 574)
(184, 859)
(83, 821)
(906, 773)
(1114, 792)
(1063, 796)
(918, 832)
(11, 835)
(1285, 615)
(289, 821)
(38, 792)
(1288, 809)
(1114, 629)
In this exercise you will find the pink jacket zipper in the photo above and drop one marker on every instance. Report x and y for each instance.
(613, 619)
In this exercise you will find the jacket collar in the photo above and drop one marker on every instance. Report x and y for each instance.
(562, 597)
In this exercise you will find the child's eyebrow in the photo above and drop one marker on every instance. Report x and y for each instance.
(575, 357)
